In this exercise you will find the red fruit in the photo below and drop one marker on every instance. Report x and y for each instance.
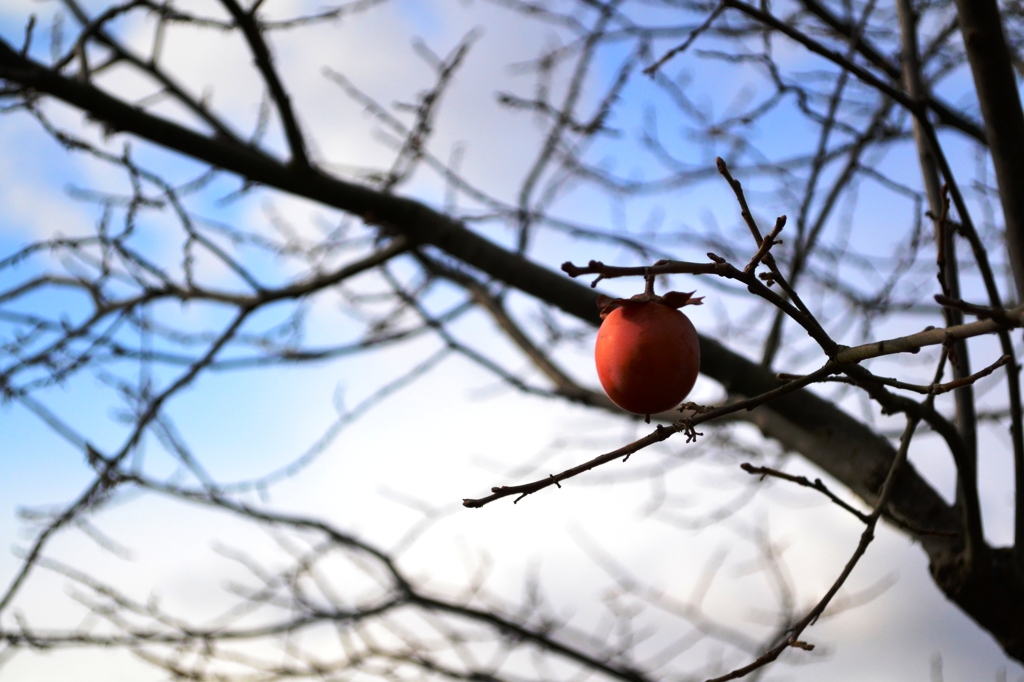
(648, 356)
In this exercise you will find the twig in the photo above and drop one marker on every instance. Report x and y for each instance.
(983, 312)
(542, 360)
(29, 27)
(822, 488)
(719, 267)
(941, 226)
(250, 28)
(814, 46)
(661, 433)
(105, 477)
(696, 33)
(766, 245)
(936, 388)
(748, 217)
(769, 259)
(805, 482)
(945, 113)
(793, 639)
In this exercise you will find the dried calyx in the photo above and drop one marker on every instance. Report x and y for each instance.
(673, 299)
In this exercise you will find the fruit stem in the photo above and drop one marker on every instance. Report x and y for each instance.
(649, 283)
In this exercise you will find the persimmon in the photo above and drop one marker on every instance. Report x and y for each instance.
(647, 352)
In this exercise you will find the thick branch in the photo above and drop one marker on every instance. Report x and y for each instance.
(999, 99)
